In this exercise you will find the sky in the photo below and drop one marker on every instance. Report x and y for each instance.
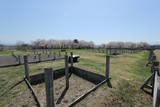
(100, 21)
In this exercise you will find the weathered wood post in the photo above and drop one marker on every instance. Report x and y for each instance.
(157, 103)
(26, 67)
(156, 87)
(49, 87)
(39, 57)
(107, 66)
(107, 71)
(154, 58)
(54, 55)
(71, 59)
(19, 59)
(155, 70)
(66, 71)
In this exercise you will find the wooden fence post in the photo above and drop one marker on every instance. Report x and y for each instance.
(107, 71)
(39, 57)
(158, 97)
(107, 66)
(19, 59)
(66, 71)
(49, 87)
(71, 59)
(26, 67)
(54, 56)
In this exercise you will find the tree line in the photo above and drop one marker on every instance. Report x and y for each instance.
(131, 45)
(77, 44)
(62, 44)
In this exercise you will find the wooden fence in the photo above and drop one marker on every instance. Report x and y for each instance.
(50, 75)
(154, 79)
(14, 60)
(116, 51)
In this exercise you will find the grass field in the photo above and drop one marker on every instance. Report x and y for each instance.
(157, 52)
(128, 72)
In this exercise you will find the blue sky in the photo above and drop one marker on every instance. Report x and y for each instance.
(100, 21)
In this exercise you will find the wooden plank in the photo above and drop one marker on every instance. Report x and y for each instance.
(66, 71)
(71, 59)
(8, 61)
(107, 66)
(86, 94)
(19, 59)
(33, 93)
(156, 95)
(49, 87)
(26, 67)
(39, 57)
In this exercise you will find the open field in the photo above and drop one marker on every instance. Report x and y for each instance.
(128, 72)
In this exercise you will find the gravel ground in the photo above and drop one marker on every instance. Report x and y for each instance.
(78, 86)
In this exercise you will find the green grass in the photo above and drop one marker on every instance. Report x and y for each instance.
(157, 52)
(128, 72)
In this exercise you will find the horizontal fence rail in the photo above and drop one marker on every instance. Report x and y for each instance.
(15, 60)
(156, 81)
(152, 85)
(156, 96)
